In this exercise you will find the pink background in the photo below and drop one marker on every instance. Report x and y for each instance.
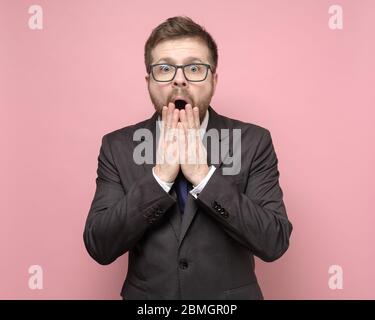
(280, 66)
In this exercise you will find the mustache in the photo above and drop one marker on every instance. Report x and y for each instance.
(180, 93)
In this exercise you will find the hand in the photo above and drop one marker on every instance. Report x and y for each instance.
(193, 154)
(167, 156)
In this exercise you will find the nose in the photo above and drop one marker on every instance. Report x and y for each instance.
(179, 80)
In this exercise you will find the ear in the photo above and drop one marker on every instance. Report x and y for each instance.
(147, 78)
(215, 79)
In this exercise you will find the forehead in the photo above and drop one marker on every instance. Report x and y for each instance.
(181, 50)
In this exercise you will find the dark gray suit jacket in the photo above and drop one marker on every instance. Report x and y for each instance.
(206, 253)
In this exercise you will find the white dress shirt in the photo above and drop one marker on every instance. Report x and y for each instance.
(196, 189)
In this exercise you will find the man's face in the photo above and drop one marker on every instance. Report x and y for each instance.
(180, 52)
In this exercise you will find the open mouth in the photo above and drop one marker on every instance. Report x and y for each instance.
(180, 104)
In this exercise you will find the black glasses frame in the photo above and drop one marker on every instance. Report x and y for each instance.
(182, 66)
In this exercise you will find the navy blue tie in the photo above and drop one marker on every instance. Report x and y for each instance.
(182, 187)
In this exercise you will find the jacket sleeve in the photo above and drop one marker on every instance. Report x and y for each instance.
(118, 219)
(257, 217)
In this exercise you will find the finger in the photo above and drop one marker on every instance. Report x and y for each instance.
(164, 113)
(189, 115)
(183, 119)
(167, 135)
(196, 117)
(196, 125)
(174, 132)
(186, 131)
(181, 143)
(170, 115)
(176, 114)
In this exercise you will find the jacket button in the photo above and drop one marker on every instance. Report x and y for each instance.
(216, 206)
(151, 220)
(183, 264)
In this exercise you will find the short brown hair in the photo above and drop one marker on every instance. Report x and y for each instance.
(179, 27)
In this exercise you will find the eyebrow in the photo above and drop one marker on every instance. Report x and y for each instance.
(172, 61)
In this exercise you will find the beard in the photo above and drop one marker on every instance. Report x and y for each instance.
(202, 103)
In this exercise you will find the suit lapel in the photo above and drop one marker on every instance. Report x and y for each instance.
(215, 122)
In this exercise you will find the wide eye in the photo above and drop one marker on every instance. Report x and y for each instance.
(165, 68)
(194, 68)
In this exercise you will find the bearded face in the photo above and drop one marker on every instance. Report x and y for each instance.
(179, 90)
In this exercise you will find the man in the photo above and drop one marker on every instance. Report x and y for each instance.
(190, 222)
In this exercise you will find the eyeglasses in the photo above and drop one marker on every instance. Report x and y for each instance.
(194, 72)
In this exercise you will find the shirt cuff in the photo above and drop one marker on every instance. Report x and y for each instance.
(165, 185)
(198, 189)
